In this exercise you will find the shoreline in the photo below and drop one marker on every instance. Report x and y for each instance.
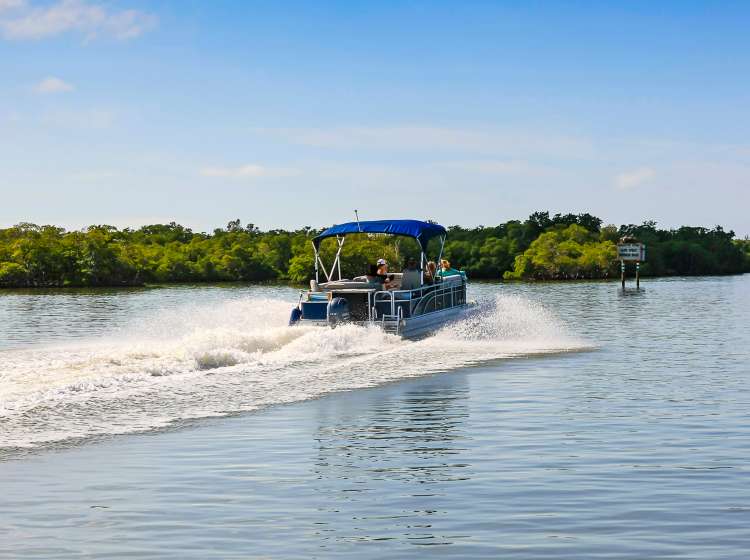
(275, 283)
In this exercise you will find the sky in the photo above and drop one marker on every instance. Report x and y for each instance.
(285, 114)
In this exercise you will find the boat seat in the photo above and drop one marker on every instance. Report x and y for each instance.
(452, 279)
(349, 285)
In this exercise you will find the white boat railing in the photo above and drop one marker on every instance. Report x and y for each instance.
(442, 295)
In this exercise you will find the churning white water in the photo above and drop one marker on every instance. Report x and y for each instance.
(216, 359)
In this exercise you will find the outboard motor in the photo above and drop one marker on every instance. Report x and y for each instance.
(295, 316)
(338, 311)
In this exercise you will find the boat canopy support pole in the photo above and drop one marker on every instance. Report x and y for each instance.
(315, 249)
(337, 261)
(319, 262)
(336, 265)
(442, 244)
(421, 268)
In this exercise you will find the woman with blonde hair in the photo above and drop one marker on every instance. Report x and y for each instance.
(430, 272)
(446, 270)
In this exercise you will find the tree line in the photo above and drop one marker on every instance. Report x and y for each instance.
(542, 247)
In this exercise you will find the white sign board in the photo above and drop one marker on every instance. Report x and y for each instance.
(631, 252)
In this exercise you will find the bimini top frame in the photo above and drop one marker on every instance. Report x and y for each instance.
(421, 231)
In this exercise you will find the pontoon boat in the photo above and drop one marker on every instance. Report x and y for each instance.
(364, 300)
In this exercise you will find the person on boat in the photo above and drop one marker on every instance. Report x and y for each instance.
(373, 278)
(382, 267)
(446, 269)
(387, 279)
(410, 276)
(430, 273)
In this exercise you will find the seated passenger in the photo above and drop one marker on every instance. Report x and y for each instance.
(387, 279)
(446, 270)
(430, 273)
(410, 279)
(373, 278)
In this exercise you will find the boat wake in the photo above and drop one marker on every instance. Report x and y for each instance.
(240, 356)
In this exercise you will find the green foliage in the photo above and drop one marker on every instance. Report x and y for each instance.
(12, 274)
(688, 250)
(541, 247)
(744, 246)
(566, 253)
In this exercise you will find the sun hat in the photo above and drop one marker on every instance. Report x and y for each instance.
(381, 261)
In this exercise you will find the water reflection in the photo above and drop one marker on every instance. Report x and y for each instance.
(410, 444)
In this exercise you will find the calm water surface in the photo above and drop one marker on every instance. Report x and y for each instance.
(565, 421)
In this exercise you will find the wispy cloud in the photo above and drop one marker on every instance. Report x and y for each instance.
(92, 176)
(53, 85)
(87, 119)
(511, 168)
(21, 20)
(485, 141)
(248, 171)
(634, 178)
(11, 4)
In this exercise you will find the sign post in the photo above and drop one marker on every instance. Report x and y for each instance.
(631, 250)
(637, 275)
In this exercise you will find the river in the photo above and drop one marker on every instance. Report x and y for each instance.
(567, 420)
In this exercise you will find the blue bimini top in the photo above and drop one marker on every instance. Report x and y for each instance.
(421, 231)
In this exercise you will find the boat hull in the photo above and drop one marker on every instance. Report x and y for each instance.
(429, 323)
(410, 327)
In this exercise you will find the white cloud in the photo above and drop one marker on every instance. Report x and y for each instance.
(636, 177)
(53, 85)
(27, 21)
(248, 171)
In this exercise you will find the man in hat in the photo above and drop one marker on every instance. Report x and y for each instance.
(386, 278)
(410, 279)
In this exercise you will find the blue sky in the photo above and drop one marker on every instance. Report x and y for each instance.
(288, 114)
